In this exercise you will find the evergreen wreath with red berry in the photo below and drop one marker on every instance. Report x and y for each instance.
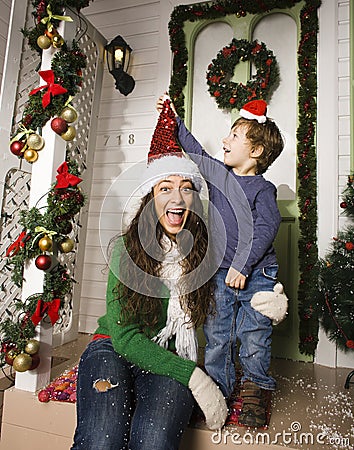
(228, 94)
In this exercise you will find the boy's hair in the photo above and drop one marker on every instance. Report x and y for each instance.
(265, 134)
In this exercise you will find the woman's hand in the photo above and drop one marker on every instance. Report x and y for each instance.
(210, 399)
(160, 101)
(235, 279)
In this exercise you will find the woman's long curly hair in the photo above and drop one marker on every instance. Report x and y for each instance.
(140, 266)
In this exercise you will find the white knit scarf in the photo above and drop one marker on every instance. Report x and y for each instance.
(177, 318)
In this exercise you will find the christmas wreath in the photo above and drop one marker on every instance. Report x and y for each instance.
(229, 94)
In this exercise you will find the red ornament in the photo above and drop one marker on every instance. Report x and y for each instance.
(349, 246)
(349, 343)
(35, 361)
(43, 262)
(232, 100)
(217, 94)
(343, 205)
(59, 125)
(16, 147)
(44, 396)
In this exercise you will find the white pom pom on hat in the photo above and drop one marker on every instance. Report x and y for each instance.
(255, 110)
(165, 157)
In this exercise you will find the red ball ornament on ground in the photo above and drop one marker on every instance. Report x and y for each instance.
(16, 147)
(59, 125)
(44, 396)
(43, 262)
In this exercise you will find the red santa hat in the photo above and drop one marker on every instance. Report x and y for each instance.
(255, 110)
(165, 157)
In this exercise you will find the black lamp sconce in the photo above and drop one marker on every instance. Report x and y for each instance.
(118, 56)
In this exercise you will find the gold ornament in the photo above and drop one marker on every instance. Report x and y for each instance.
(45, 244)
(30, 155)
(32, 347)
(44, 42)
(70, 134)
(69, 114)
(57, 41)
(35, 141)
(67, 245)
(22, 362)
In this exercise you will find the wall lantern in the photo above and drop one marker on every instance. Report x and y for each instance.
(118, 55)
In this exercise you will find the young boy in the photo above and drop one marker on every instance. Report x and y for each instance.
(244, 221)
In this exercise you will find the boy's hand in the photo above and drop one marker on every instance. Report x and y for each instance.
(160, 101)
(235, 279)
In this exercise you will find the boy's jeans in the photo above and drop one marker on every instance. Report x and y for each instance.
(236, 319)
(140, 410)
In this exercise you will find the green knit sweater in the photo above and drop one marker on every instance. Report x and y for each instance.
(130, 342)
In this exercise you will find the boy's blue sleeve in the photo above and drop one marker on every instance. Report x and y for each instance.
(265, 228)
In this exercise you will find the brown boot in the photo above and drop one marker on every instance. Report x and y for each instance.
(255, 405)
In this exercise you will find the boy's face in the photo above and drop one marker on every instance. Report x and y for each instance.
(238, 150)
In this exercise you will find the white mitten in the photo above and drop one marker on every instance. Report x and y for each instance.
(210, 399)
(271, 304)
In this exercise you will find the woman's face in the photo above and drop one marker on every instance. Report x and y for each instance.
(173, 197)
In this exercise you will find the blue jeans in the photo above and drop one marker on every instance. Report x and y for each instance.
(139, 410)
(235, 319)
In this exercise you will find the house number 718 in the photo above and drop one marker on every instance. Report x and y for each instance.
(119, 137)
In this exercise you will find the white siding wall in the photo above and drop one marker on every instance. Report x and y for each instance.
(5, 7)
(343, 98)
(133, 119)
(344, 124)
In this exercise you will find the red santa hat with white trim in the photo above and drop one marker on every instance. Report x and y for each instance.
(165, 157)
(255, 110)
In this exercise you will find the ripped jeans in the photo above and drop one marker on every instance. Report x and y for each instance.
(121, 407)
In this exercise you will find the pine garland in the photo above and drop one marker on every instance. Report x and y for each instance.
(63, 205)
(306, 149)
(45, 234)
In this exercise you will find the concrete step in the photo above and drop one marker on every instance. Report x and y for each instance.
(31, 425)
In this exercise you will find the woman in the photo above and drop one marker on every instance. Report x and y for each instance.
(138, 380)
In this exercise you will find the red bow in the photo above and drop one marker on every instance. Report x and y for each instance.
(51, 308)
(65, 178)
(53, 89)
(20, 242)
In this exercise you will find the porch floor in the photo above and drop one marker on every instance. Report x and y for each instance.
(311, 410)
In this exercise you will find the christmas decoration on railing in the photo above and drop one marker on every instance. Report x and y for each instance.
(336, 295)
(306, 148)
(61, 83)
(44, 236)
(227, 93)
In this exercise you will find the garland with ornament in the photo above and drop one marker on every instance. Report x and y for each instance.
(61, 83)
(337, 282)
(43, 238)
(306, 148)
(228, 94)
(45, 235)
